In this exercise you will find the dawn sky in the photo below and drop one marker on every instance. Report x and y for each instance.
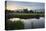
(14, 5)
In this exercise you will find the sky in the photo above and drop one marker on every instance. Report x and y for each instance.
(15, 5)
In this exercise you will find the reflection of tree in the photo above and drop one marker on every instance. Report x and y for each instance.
(32, 26)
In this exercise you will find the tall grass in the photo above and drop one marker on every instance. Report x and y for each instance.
(14, 25)
(24, 16)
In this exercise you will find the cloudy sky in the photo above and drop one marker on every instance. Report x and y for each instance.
(14, 5)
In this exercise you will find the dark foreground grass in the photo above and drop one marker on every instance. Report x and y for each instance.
(14, 25)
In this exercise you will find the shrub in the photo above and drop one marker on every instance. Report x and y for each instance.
(14, 25)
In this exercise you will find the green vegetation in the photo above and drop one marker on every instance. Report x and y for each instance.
(12, 25)
(24, 15)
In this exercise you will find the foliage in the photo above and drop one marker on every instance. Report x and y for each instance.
(12, 25)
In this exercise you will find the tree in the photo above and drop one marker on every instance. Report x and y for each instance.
(17, 11)
(25, 10)
(31, 11)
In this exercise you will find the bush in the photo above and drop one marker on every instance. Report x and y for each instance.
(14, 25)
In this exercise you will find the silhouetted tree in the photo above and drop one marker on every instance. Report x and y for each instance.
(31, 11)
(17, 12)
(25, 10)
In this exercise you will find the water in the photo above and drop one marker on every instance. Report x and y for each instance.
(33, 22)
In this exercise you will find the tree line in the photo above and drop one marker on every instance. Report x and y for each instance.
(24, 11)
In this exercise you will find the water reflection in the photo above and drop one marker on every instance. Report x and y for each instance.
(31, 23)
(14, 19)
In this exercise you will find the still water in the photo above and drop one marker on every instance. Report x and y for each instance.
(28, 23)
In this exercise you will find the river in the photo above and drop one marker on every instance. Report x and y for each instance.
(33, 22)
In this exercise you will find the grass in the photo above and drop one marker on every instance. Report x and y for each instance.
(14, 25)
(24, 15)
